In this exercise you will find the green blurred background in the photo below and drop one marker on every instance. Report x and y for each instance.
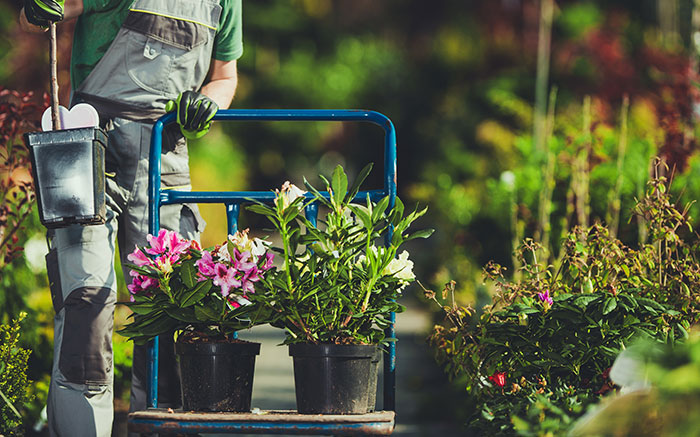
(515, 118)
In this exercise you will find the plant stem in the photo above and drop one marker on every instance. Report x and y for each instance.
(542, 76)
(615, 202)
(544, 225)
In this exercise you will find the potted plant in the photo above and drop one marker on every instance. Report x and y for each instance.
(336, 288)
(202, 296)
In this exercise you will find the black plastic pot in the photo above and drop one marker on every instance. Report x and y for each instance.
(373, 376)
(332, 378)
(69, 175)
(217, 376)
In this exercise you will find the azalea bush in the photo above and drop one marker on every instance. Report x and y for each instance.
(546, 342)
(178, 286)
(338, 282)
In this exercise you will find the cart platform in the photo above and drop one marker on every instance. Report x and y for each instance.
(262, 422)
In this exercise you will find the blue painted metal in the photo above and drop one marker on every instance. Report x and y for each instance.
(230, 427)
(232, 212)
(233, 200)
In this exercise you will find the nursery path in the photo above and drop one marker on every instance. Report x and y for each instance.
(421, 401)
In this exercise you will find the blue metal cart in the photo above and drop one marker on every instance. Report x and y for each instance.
(270, 422)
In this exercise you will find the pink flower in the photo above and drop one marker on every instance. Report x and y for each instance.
(158, 244)
(241, 261)
(498, 378)
(226, 279)
(206, 265)
(167, 242)
(140, 283)
(139, 258)
(545, 298)
(177, 244)
(269, 259)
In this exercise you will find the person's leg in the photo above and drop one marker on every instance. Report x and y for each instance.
(184, 219)
(83, 288)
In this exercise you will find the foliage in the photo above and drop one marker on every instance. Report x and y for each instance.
(562, 326)
(663, 398)
(343, 286)
(18, 113)
(13, 379)
(177, 286)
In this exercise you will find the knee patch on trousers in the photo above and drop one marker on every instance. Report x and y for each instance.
(86, 345)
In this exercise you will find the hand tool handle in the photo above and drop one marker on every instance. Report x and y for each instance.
(55, 118)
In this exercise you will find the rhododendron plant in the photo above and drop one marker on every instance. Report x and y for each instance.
(178, 286)
(339, 281)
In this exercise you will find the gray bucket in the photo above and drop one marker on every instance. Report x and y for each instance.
(69, 175)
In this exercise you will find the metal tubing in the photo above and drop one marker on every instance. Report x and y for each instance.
(168, 197)
(232, 212)
(157, 198)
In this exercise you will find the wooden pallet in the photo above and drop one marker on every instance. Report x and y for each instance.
(262, 422)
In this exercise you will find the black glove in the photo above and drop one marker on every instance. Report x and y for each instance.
(194, 113)
(41, 12)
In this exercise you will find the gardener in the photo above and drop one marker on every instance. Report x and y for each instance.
(131, 60)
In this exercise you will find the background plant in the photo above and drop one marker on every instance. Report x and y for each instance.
(665, 397)
(13, 379)
(555, 333)
(340, 287)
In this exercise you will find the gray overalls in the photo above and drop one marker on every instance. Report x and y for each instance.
(163, 48)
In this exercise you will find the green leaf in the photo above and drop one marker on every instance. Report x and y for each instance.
(188, 273)
(379, 208)
(206, 314)
(610, 305)
(193, 296)
(425, 233)
(339, 185)
(355, 188)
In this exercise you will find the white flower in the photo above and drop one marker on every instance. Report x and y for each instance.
(401, 268)
(255, 246)
(288, 194)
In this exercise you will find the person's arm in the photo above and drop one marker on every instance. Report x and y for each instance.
(222, 81)
(71, 9)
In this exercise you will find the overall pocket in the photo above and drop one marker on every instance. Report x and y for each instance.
(168, 44)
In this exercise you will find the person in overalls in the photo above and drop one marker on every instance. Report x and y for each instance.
(131, 60)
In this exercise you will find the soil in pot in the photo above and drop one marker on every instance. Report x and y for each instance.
(216, 376)
(331, 378)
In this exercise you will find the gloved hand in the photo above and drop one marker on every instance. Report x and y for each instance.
(194, 113)
(41, 12)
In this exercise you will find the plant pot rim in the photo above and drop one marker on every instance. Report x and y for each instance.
(332, 350)
(218, 348)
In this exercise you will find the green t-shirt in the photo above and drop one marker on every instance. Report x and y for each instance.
(99, 24)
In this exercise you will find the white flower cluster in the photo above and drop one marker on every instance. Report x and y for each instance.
(400, 268)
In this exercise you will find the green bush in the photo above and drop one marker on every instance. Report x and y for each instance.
(13, 379)
(542, 350)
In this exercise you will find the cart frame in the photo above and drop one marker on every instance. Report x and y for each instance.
(294, 423)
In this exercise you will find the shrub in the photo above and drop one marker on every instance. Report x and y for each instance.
(13, 379)
(541, 351)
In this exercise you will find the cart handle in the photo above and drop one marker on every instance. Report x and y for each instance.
(154, 190)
